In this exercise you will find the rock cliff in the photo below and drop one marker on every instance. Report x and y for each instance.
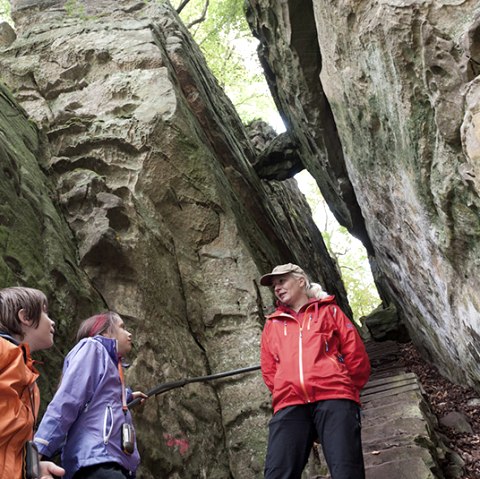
(169, 223)
(383, 96)
(130, 183)
(38, 249)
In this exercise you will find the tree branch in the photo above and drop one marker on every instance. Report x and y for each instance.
(202, 17)
(182, 5)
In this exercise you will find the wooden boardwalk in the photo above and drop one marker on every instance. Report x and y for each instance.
(397, 427)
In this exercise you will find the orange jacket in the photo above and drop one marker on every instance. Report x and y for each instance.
(19, 403)
(312, 355)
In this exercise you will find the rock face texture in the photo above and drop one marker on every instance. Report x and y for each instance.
(130, 183)
(384, 98)
(37, 247)
(168, 219)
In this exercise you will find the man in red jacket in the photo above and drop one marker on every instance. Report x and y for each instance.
(315, 365)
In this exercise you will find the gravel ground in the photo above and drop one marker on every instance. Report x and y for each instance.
(446, 397)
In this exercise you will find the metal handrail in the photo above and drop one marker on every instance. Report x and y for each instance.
(162, 388)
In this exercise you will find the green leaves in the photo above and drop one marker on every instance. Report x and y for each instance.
(346, 250)
(5, 10)
(230, 50)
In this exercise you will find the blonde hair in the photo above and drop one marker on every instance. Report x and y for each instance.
(313, 290)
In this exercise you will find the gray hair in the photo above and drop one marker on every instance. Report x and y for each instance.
(313, 290)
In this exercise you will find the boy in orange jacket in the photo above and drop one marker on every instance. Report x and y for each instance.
(24, 327)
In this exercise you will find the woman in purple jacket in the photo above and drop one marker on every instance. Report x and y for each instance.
(88, 418)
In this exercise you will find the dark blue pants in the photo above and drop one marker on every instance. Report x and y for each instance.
(107, 470)
(335, 422)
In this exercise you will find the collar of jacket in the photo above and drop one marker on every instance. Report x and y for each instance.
(284, 311)
(110, 345)
(25, 348)
(10, 338)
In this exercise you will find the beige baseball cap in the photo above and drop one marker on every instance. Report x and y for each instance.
(266, 279)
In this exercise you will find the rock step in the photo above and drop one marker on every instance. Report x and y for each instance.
(399, 441)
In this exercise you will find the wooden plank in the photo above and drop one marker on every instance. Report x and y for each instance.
(388, 387)
(392, 379)
(390, 392)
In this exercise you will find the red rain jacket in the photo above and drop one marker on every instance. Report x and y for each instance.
(312, 355)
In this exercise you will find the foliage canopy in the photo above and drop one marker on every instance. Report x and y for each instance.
(230, 50)
(346, 250)
(5, 10)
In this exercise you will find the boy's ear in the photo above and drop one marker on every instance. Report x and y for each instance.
(22, 316)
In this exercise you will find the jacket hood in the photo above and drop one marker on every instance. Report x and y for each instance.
(25, 348)
(110, 345)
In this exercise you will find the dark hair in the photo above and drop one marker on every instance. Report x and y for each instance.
(12, 300)
(97, 324)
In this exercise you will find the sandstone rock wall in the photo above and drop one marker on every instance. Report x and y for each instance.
(400, 79)
(173, 227)
(37, 247)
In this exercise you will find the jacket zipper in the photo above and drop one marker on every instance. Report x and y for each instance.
(300, 352)
(300, 364)
(107, 434)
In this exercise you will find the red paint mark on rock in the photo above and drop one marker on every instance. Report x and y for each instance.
(181, 444)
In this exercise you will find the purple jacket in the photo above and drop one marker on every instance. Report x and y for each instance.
(85, 416)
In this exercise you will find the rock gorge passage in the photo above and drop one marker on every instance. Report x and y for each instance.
(134, 185)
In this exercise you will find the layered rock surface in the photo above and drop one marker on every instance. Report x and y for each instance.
(38, 249)
(393, 86)
(172, 225)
